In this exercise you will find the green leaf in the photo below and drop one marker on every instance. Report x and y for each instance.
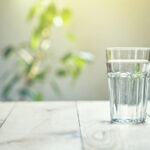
(55, 87)
(46, 19)
(38, 96)
(74, 63)
(40, 76)
(22, 62)
(47, 16)
(61, 73)
(66, 15)
(6, 90)
(28, 68)
(33, 11)
(79, 63)
(26, 93)
(67, 56)
(52, 9)
(35, 40)
(7, 52)
(71, 37)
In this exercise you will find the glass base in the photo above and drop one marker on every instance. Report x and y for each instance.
(128, 121)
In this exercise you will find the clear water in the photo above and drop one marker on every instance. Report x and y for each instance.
(126, 79)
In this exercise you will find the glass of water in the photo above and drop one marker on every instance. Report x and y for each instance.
(127, 70)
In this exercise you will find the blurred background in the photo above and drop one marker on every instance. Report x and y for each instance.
(93, 26)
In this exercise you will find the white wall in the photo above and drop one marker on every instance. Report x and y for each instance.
(98, 24)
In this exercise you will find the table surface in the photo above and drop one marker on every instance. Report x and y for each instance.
(81, 125)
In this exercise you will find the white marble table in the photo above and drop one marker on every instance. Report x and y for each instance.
(82, 125)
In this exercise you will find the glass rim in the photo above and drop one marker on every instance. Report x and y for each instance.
(126, 48)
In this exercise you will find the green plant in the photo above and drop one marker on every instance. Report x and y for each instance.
(35, 58)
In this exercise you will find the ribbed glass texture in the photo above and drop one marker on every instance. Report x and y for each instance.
(127, 71)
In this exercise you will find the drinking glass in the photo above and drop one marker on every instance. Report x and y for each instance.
(127, 69)
(147, 94)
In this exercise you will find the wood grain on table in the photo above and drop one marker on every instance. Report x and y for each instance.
(81, 125)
